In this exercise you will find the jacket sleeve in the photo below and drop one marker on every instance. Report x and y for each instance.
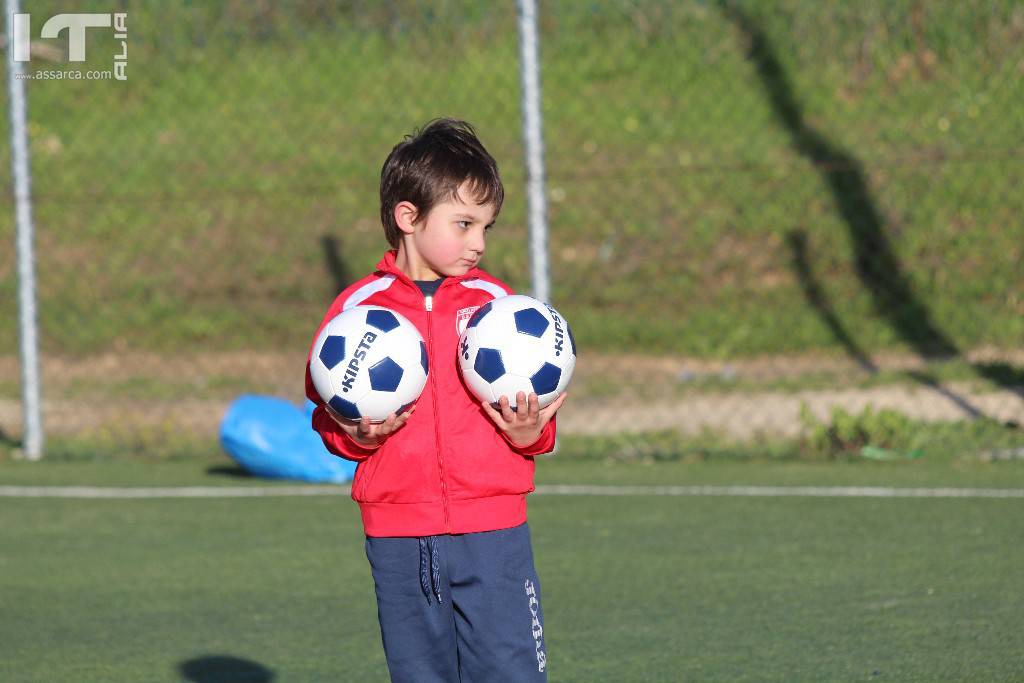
(334, 437)
(336, 440)
(544, 443)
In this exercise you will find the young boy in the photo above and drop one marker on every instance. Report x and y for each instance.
(442, 488)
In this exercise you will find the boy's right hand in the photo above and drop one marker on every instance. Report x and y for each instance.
(366, 433)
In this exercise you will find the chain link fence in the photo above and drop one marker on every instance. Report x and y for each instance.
(760, 213)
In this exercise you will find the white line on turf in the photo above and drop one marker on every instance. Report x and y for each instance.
(782, 491)
(168, 491)
(552, 490)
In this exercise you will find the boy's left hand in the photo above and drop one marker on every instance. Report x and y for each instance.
(524, 424)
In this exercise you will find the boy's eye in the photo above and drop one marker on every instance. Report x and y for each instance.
(464, 225)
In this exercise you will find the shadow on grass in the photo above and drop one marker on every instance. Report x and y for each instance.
(341, 275)
(875, 262)
(8, 442)
(1003, 374)
(229, 471)
(224, 669)
(816, 297)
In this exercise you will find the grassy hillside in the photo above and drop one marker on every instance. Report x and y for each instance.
(723, 181)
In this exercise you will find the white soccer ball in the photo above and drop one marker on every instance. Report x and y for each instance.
(517, 343)
(369, 361)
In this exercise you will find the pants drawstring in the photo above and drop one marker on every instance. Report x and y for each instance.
(430, 568)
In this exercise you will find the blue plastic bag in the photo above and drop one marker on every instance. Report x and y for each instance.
(270, 437)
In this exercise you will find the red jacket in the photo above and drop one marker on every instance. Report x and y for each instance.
(449, 469)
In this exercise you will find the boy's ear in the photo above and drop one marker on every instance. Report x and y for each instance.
(405, 217)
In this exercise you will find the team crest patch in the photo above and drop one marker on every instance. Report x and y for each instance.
(462, 318)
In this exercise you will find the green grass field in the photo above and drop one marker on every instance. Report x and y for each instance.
(635, 588)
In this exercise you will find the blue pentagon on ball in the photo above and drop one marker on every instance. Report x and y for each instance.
(479, 315)
(345, 408)
(488, 364)
(385, 375)
(531, 321)
(385, 321)
(332, 352)
(423, 358)
(546, 379)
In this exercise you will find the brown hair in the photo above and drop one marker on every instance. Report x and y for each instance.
(428, 167)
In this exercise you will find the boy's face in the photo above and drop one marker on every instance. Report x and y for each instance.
(449, 241)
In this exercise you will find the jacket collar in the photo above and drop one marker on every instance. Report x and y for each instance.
(387, 266)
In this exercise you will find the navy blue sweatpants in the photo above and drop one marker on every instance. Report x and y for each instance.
(462, 607)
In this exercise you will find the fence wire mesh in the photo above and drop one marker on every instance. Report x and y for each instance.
(760, 213)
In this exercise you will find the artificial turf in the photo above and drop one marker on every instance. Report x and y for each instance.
(635, 588)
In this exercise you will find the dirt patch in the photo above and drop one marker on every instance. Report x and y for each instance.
(189, 404)
(741, 415)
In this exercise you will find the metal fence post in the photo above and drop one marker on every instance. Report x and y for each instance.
(21, 176)
(533, 139)
(533, 142)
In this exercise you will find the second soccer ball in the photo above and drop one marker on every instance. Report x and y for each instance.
(517, 343)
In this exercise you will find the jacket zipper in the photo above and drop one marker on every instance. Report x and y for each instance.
(429, 305)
